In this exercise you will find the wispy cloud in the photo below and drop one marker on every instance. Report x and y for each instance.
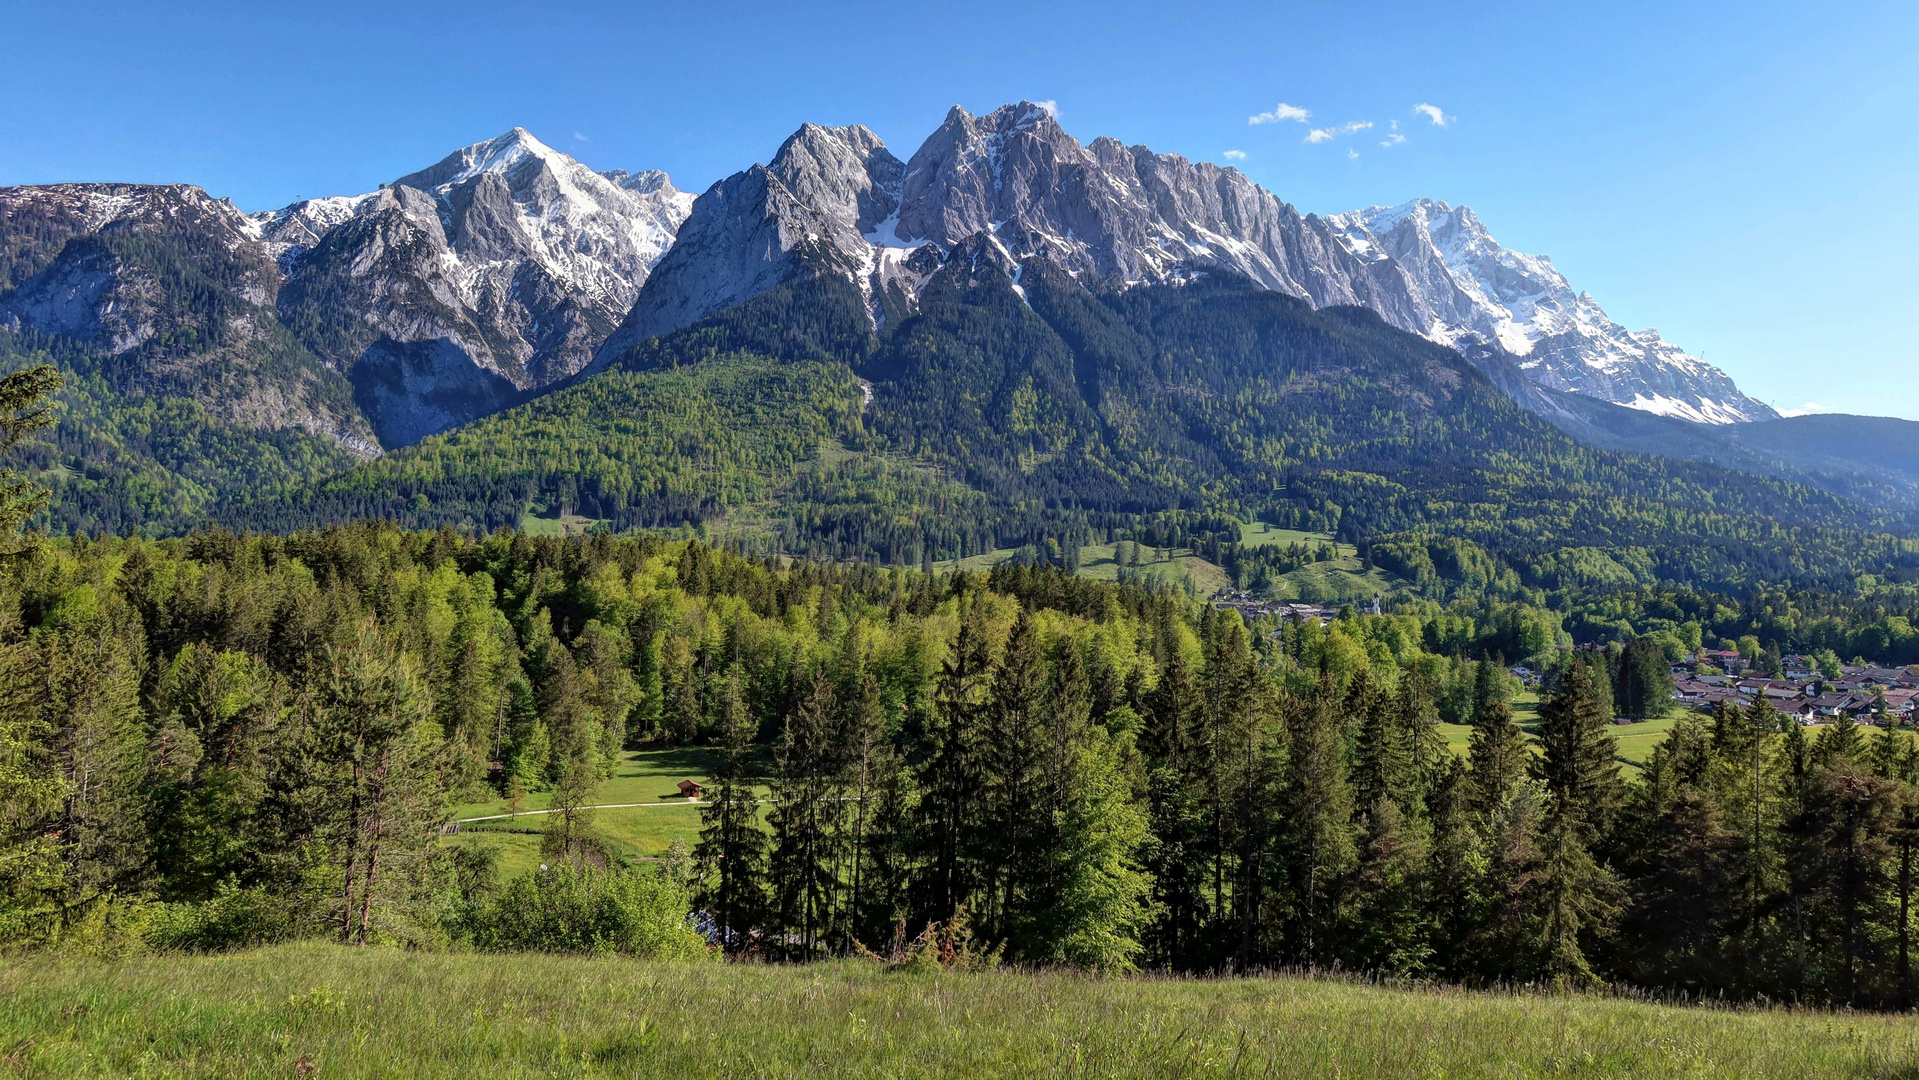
(1352, 155)
(1281, 112)
(581, 137)
(1327, 134)
(1393, 140)
(1051, 107)
(1433, 113)
(1235, 155)
(1807, 409)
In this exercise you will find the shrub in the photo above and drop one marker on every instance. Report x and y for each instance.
(586, 910)
(234, 918)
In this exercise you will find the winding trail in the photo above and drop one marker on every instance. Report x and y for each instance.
(595, 806)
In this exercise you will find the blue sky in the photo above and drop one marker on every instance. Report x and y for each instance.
(1741, 176)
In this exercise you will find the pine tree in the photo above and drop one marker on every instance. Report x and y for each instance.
(867, 764)
(1497, 751)
(1315, 823)
(379, 777)
(1579, 764)
(1169, 741)
(731, 853)
(1383, 769)
(1098, 899)
(1574, 897)
(26, 406)
(1842, 863)
(954, 771)
(1391, 923)
(1742, 779)
(1019, 789)
(805, 821)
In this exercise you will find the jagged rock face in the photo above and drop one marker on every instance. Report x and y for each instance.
(811, 209)
(179, 289)
(504, 265)
(1128, 215)
(1470, 290)
(834, 201)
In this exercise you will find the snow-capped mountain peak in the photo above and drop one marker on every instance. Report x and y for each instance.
(1476, 292)
(491, 273)
(834, 199)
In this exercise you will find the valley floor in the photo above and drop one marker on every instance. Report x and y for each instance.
(323, 1011)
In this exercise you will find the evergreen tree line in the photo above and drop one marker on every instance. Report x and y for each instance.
(224, 739)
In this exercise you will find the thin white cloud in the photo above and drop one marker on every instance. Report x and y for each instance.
(1235, 155)
(1327, 134)
(581, 137)
(1433, 113)
(1352, 155)
(1281, 112)
(1807, 409)
(1051, 107)
(1393, 140)
(1395, 124)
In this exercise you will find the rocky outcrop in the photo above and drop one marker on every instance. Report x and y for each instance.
(812, 209)
(177, 289)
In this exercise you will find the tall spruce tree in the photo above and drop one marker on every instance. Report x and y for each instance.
(1579, 761)
(1315, 823)
(1169, 741)
(1017, 793)
(731, 853)
(805, 820)
(954, 770)
(1498, 756)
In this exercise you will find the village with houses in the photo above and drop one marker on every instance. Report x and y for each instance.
(1797, 687)
(1253, 607)
(1864, 692)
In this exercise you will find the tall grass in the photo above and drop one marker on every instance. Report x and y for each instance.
(315, 1010)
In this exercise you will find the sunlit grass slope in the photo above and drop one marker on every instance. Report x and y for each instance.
(327, 1012)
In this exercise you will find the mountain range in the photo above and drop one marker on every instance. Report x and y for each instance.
(510, 299)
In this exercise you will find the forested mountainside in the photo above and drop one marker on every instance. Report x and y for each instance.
(847, 355)
(217, 741)
(1004, 412)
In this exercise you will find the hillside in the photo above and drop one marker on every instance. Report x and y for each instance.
(382, 1013)
(1005, 413)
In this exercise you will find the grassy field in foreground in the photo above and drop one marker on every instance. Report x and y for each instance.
(330, 1012)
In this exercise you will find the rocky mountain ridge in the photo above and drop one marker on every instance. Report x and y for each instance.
(836, 200)
(509, 267)
(446, 295)
(1475, 292)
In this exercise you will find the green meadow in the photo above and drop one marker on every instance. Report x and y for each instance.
(326, 1011)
